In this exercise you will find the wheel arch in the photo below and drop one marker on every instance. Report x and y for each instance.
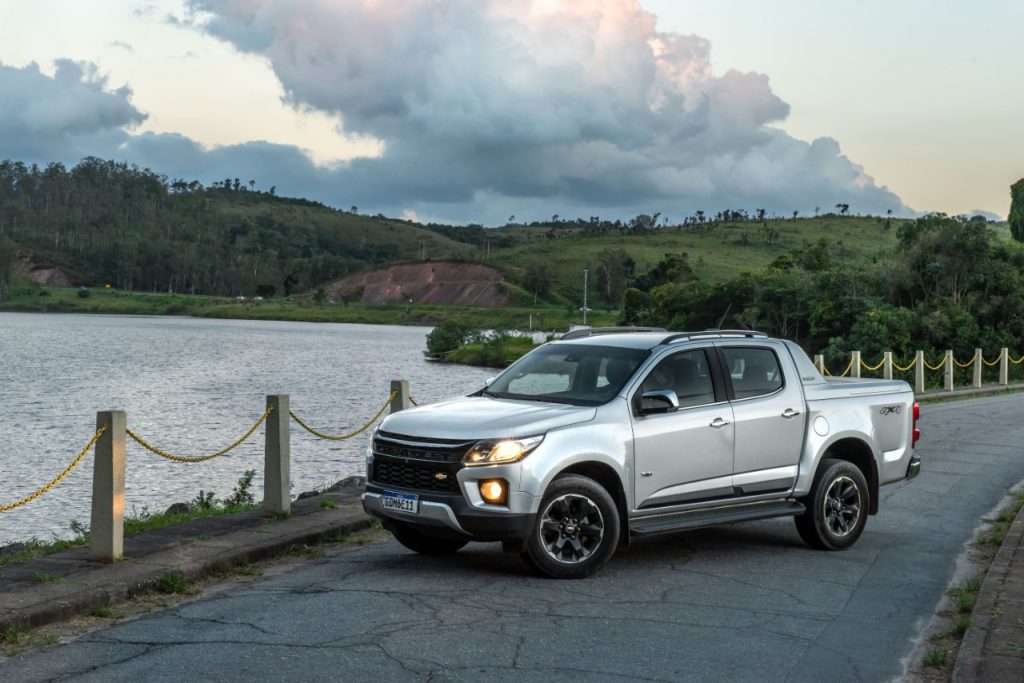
(860, 454)
(609, 479)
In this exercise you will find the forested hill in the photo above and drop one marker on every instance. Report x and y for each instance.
(111, 223)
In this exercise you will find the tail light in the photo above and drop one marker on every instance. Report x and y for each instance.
(916, 433)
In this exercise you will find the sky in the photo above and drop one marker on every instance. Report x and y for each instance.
(478, 110)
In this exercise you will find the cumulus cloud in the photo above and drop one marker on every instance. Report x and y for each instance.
(583, 103)
(66, 116)
(486, 108)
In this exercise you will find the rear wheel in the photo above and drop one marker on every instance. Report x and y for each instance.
(576, 530)
(837, 508)
(421, 541)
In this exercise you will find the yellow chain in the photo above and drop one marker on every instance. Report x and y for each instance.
(849, 366)
(936, 367)
(413, 401)
(872, 368)
(968, 363)
(993, 363)
(200, 458)
(904, 369)
(59, 477)
(1016, 362)
(342, 437)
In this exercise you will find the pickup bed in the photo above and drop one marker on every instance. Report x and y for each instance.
(605, 435)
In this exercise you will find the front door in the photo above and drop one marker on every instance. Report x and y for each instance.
(684, 455)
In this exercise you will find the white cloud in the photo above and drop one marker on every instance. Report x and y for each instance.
(483, 108)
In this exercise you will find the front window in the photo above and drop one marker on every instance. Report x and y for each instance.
(577, 374)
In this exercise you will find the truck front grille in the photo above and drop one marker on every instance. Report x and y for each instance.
(408, 474)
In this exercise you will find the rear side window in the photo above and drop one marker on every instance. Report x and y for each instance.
(753, 371)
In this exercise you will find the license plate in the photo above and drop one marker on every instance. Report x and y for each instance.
(403, 502)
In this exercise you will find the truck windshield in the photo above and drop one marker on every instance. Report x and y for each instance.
(577, 374)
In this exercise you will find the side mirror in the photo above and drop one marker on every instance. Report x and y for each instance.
(660, 401)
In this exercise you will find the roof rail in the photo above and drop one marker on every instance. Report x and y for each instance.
(681, 336)
(592, 331)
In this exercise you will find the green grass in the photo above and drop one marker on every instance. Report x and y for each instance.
(965, 595)
(25, 298)
(172, 582)
(936, 658)
(991, 539)
(730, 249)
(491, 355)
(43, 577)
(10, 634)
(328, 504)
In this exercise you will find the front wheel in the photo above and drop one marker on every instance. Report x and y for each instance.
(837, 507)
(576, 530)
(425, 543)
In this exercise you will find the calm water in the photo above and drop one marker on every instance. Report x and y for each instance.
(191, 387)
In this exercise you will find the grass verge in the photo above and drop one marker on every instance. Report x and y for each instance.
(955, 612)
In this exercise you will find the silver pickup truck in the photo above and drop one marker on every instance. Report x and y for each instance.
(606, 435)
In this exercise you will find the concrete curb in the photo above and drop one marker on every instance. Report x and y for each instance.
(993, 646)
(196, 549)
(940, 395)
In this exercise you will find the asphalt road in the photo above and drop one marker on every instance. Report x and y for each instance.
(747, 602)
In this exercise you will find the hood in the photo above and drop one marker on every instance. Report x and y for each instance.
(483, 417)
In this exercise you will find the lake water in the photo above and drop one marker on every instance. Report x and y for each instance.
(191, 387)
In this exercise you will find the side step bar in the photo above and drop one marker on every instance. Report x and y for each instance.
(695, 519)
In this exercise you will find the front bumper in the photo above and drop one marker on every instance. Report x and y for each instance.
(451, 512)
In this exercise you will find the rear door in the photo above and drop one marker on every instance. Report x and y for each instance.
(770, 421)
(685, 455)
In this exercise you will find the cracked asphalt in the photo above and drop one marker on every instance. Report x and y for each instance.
(744, 602)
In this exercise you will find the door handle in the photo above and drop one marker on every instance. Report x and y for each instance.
(789, 413)
(719, 423)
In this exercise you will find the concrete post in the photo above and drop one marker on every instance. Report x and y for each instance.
(919, 372)
(1004, 366)
(819, 362)
(277, 475)
(950, 367)
(106, 527)
(855, 365)
(887, 365)
(977, 367)
(401, 401)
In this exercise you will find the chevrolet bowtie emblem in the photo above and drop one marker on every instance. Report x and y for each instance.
(440, 476)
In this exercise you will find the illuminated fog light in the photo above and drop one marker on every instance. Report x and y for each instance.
(494, 491)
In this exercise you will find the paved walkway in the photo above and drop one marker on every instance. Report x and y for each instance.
(993, 647)
(76, 585)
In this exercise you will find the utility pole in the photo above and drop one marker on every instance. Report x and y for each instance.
(585, 271)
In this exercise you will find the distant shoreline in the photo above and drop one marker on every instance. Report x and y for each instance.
(116, 302)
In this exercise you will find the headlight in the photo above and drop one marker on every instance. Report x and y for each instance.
(502, 451)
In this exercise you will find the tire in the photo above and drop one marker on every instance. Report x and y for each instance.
(423, 542)
(576, 529)
(837, 507)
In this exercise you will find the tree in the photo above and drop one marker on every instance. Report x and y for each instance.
(537, 280)
(447, 336)
(7, 258)
(1017, 210)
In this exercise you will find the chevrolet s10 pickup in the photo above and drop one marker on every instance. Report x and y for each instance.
(609, 435)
